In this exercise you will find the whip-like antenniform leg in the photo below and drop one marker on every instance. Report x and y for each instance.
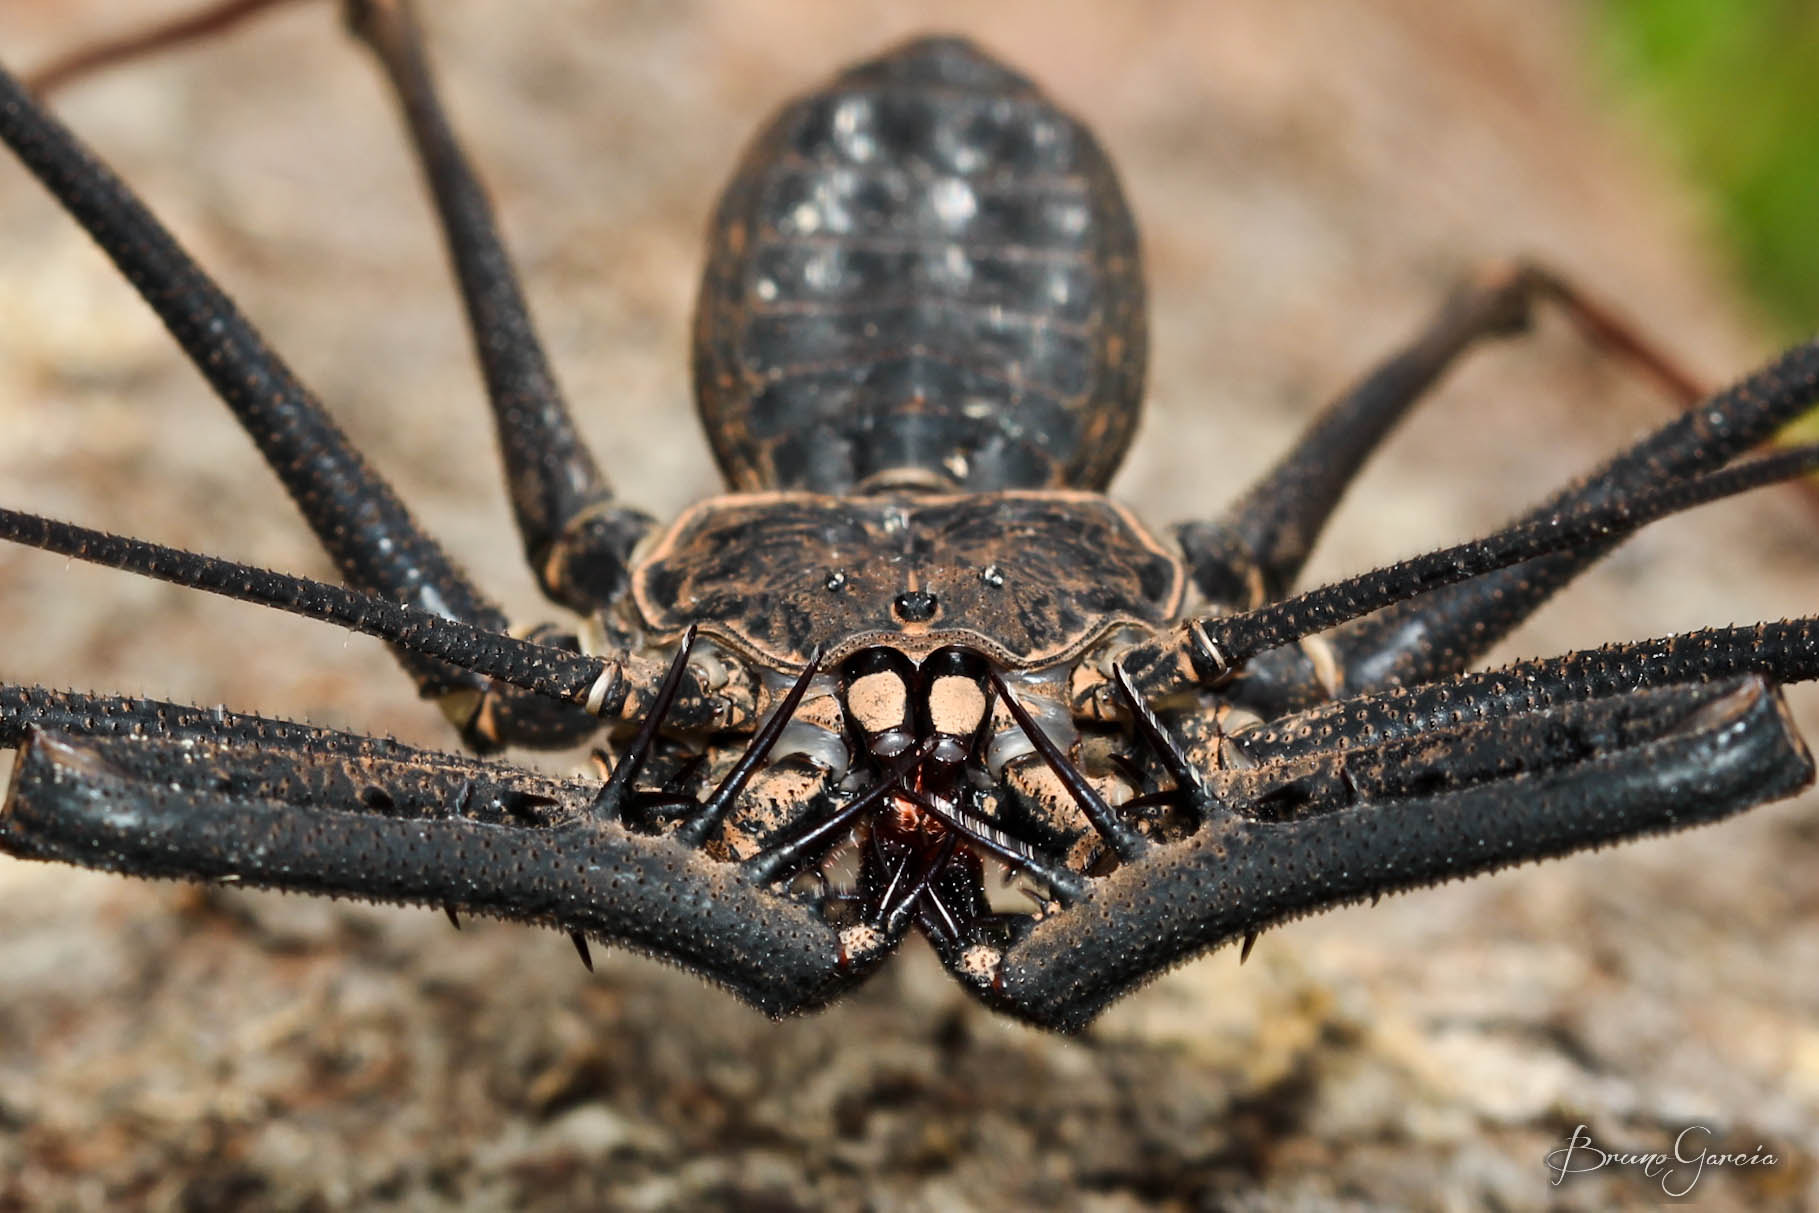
(578, 541)
(1435, 614)
(366, 529)
(186, 27)
(1459, 624)
(1255, 552)
(728, 844)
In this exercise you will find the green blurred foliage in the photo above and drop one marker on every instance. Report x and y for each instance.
(1734, 85)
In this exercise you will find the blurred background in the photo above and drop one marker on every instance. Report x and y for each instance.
(1730, 91)
(1311, 181)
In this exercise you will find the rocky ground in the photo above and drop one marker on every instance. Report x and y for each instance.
(1310, 182)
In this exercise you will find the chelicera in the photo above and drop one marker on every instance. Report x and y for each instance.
(915, 645)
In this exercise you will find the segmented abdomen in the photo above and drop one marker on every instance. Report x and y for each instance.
(925, 272)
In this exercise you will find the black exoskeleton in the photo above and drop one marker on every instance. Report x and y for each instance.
(924, 276)
(914, 645)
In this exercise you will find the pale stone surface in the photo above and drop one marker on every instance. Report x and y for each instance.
(1310, 180)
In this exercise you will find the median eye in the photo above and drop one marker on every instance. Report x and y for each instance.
(915, 606)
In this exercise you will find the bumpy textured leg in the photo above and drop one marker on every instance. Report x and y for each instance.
(1256, 551)
(24, 708)
(1441, 633)
(1214, 647)
(372, 538)
(1437, 613)
(577, 540)
(568, 681)
(154, 789)
(1377, 794)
